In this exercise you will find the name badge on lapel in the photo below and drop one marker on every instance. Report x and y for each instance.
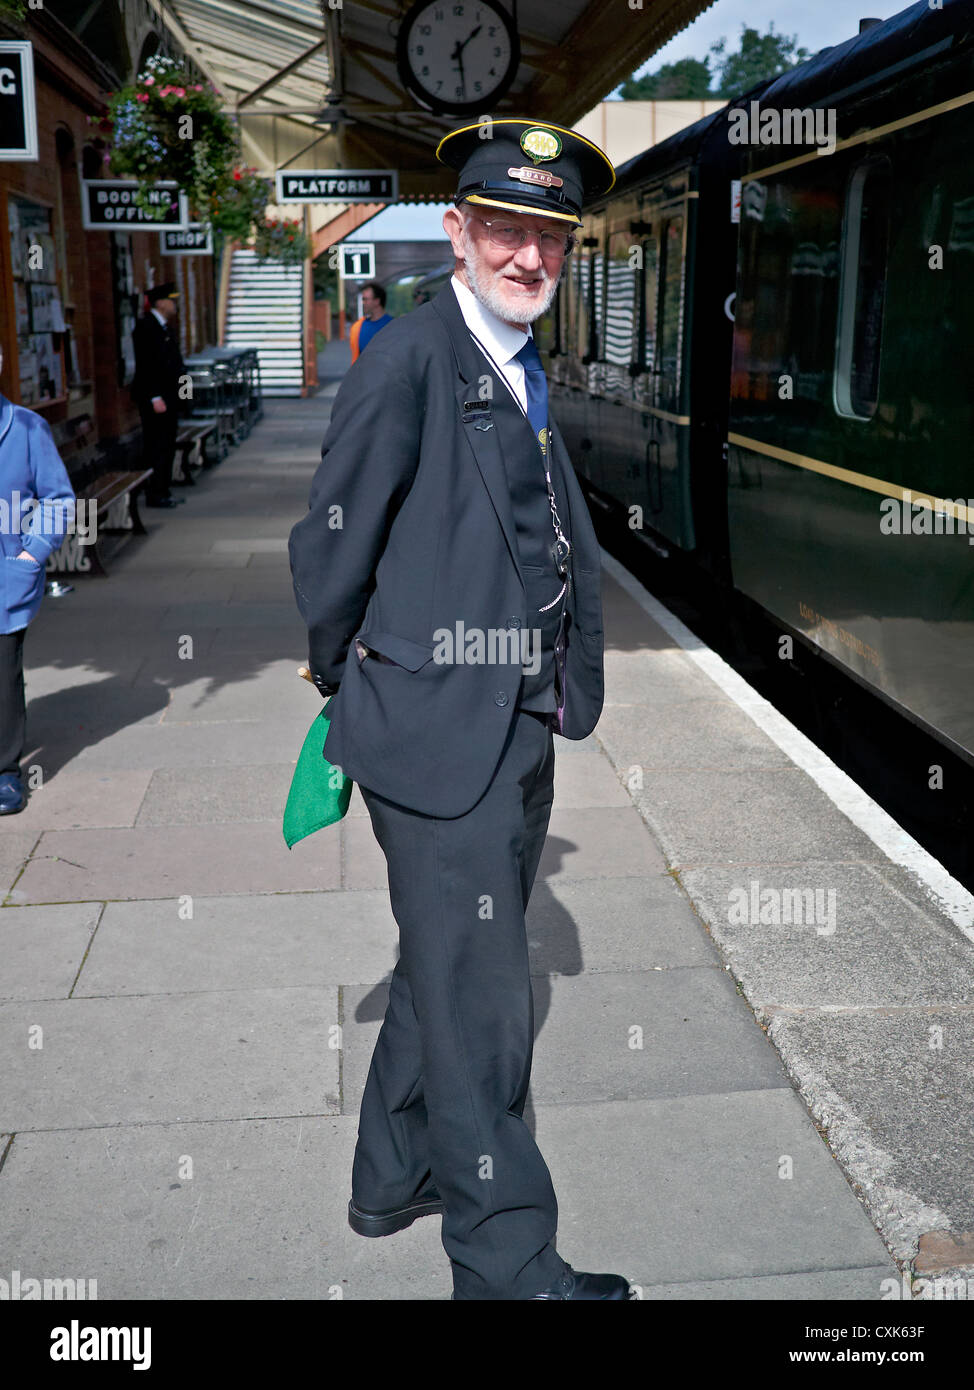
(477, 414)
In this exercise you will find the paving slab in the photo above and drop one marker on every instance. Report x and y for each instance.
(175, 860)
(702, 1195)
(592, 925)
(209, 1055)
(263, 1216)
(696, 735)
(75, 798)
(746, 816)
(894, 1089)
(609, 1037)
(246, 942)
(15, 848)
(237, 742)
(606, 842)
(42, 948)
(858, 941)
(210, 796)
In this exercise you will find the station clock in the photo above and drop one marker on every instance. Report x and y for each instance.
(457, 57)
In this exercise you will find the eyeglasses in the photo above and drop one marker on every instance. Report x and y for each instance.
(511, 238)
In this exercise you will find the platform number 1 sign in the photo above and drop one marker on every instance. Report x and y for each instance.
(358, 261)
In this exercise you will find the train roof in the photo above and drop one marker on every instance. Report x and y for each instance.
(911, 36)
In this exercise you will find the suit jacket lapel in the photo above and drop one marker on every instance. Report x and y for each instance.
(479, 421)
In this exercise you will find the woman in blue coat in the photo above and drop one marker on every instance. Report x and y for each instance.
(36, 507)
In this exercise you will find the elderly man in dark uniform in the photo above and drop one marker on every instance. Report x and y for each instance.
(155, 389)
(448, 573)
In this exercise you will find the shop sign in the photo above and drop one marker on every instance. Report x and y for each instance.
(195, 240)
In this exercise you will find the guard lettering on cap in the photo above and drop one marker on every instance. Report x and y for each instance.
(541, 144)
(541, 176)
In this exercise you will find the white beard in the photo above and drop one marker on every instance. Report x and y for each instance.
(485, 284)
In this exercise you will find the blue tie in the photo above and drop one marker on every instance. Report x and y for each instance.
(537, 390)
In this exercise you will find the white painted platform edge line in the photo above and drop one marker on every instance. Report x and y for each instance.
(900, 847)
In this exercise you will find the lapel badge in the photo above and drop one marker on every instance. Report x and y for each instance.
(484, 425)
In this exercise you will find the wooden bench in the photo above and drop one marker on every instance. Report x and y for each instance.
(112, 498)
(191, 441)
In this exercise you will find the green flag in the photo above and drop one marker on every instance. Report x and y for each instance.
(319, 793)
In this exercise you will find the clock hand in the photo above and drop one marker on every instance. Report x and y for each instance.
(469, 37)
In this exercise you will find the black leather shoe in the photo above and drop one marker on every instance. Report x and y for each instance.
(589, 1286)
(11, 794)
(386, 1223)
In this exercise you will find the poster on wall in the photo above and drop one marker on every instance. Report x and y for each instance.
(126, 306)
(18, 108)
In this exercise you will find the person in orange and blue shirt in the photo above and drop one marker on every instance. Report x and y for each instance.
(364, 329)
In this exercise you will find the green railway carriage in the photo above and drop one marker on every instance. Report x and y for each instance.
(853, 367)
(787, 356)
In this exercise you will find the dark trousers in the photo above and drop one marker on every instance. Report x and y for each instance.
(159, 448)
(13, 711)
(445, 1094)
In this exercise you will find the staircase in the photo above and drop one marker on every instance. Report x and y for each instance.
(265, 310)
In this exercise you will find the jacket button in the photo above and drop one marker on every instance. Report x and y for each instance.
(500, 699)
(514, 621)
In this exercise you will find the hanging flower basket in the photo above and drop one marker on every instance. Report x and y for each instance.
(281, 241)
(167, 126)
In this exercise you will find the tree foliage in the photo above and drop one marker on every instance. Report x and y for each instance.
(721, 75)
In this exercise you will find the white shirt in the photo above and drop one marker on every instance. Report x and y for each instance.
(501, 340)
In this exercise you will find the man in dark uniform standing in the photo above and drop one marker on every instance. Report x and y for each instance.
(448, 572)
(155, 389)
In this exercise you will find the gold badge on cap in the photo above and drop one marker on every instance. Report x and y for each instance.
(541, 144)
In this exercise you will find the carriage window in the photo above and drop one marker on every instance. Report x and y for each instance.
(862, 292)
(581, 272)
(649, 290)
(596, 302)
(671, 313)
(620, 302)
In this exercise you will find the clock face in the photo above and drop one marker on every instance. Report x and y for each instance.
(458, 54)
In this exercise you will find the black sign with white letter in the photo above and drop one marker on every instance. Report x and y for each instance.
(337, 185)
(358, 260)
(196, 240)
(108, 205)
(18, 112)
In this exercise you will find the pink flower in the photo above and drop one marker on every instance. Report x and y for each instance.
(198, 87)
(180, 91)
(149, 81)
(142, 96)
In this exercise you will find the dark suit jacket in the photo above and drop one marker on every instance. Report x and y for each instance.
(409, 532)
(158, 363)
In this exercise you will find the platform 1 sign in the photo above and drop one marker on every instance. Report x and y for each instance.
(195, 240)
(18, 109)
(337, 185)
(358, 260)
(108, 205)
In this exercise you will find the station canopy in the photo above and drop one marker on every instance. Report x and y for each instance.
(318, 87)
